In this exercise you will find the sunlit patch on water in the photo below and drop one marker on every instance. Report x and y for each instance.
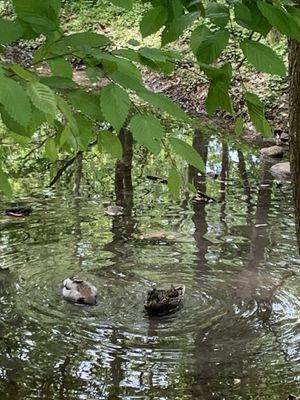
(237, 332)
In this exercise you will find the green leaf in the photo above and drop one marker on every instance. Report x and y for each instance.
(23, 73)
(127, 4)
(249, 16)
(263, 58)
(280, 19)
(163, 103)
(93, 73)
(115, 105)
(218, 96)
(43, 98)
(147, 131)
(84, 132)
(174, 182)
(23, 141)
(188, 153)
(68, 114)
(61, 67)
(257, 113)
(87, 102)
(206, 45)
(153, 20)
(173, 30)
(15, 100)
(5, 187)
(217, 13)
(239, 125)
(65, 135)
(58, 82)
(41, 15)
(86, 39)
(50, 150)
(10, 31)
(110, 143)
(152, 53)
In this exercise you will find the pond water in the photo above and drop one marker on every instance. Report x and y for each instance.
(237, 335)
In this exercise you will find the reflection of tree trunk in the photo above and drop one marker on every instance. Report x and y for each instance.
(294, 122)
(78, 173)
(123, 226)
(123, 179)
(243, 173)
(224, 178)
(248, 280)
(200, 143)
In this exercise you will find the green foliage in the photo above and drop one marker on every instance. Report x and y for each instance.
(10, 31)
(74, 116)
(43, 98)
(239, 125)
(61, 67)
(5, 187)
(217, 13)
(110, 143)
(257, 114)
(147, 131)
(153, 20)
(207, 45)
(115, 105)
(50, 149)
(127, 4)
(188, 153)
(174, 182)
(15, 100)
(263, 58)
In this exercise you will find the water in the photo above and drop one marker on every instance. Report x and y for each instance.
(237, 335)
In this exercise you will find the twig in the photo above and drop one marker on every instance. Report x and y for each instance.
(59, 173)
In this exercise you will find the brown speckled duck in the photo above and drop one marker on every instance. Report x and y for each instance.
(164, 300)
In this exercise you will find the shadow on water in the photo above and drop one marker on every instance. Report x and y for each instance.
(237, 334)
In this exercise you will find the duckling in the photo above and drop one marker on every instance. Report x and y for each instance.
(19, 211)
(79, 291)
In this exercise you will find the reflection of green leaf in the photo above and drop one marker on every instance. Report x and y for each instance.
(5, 187)
(188, 153)
(174, 182)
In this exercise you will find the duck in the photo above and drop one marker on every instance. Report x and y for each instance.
(79, 291)
(23, 211)
(164, 300)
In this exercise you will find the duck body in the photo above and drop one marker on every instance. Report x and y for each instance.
(79, 291)
(19, 211)
(160, 301)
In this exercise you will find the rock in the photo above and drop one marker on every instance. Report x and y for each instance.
(284, 137)
(113, 210)
(273, 151)
(281, 171)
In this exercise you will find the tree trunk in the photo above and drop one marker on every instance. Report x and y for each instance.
(294, 122)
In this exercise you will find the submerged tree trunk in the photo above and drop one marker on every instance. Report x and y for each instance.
(294, 122)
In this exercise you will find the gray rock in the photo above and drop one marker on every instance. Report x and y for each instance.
(273, 151)
(281, 171)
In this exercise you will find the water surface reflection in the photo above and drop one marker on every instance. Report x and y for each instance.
(237, 335)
